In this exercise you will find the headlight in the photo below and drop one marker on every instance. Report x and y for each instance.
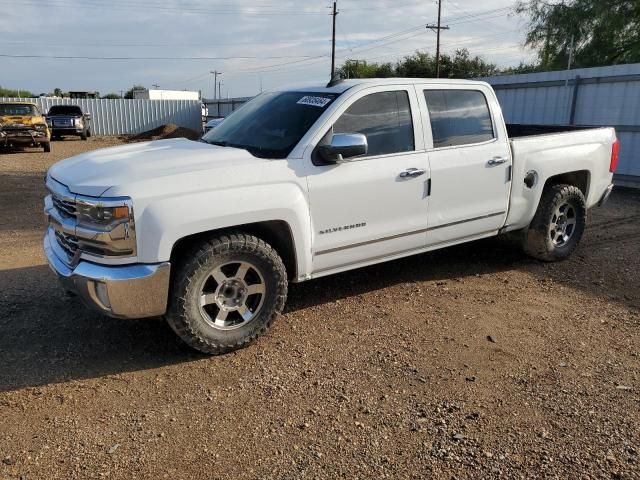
(102, 213)
(78, 122)
(40, 127)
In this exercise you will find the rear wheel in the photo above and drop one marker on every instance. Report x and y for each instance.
(558, 225)
(227, 293)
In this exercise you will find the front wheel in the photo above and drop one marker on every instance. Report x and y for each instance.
(227, 293)
(558, 225)
(47, 147)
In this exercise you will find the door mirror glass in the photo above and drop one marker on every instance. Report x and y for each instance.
(343, 146)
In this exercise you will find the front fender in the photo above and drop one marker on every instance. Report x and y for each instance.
(161, 223)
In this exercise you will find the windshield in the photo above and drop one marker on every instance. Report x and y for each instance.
(17, 109)
(271, 124)
(65, 110)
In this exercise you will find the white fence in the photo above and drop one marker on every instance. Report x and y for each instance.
(123, 116)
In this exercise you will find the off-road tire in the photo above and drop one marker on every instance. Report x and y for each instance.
(537, 241)
(88, 132)
(83, 135)
(47, 147)
(184, 313)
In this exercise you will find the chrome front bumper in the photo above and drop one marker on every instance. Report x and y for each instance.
(122, 291)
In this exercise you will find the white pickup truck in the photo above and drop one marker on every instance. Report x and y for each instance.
(306, 182)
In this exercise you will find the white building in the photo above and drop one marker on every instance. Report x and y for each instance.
(166, 95)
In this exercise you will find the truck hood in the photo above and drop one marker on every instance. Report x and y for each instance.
(122, 170)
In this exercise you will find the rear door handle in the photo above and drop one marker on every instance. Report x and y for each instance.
(497, 161)
(412, 172)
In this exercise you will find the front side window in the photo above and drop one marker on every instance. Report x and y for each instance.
(458, 117)
(271, 124)
(384, 118)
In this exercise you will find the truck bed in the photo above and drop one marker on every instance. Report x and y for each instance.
(517, 130)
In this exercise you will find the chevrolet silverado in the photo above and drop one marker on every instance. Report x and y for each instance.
(306, 182)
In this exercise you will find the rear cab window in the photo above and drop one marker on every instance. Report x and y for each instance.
(65, 110)
(459, 117)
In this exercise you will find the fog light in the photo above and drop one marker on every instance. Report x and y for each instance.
(103, 295)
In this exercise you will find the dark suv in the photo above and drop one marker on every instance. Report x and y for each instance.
(67, 120)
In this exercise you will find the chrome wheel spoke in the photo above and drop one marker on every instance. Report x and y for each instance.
(245, 313)
(221, 318)
(256, 288)
(207, 299)
(242, 270)
(218, 275)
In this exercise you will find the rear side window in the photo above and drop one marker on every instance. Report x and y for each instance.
(458, 117)
(384, 118)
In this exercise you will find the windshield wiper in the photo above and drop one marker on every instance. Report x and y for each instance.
(219, 144)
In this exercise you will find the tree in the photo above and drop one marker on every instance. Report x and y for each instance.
(135, 88)
(597, 32)
(421, 65)
(6, 92)
(113, 96)
(57, 92)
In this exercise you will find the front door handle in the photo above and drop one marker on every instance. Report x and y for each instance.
(412, 172)
(497, 161)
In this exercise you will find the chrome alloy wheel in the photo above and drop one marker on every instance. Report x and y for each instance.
(232, 295)
(563, 224)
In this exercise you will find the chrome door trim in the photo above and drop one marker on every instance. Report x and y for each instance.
(406, 234)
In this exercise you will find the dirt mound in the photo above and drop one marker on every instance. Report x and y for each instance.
(165, 131)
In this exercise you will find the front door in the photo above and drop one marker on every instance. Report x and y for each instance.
(374, 206)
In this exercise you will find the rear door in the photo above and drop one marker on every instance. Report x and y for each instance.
(370, 208)
(470, 162)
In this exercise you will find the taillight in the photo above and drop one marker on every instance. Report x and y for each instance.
(615, 153)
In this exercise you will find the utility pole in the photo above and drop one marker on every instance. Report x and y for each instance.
(571, 46)
(215, 74)
(334, 14)
(155, 85)
(220, 89)
(438, 28)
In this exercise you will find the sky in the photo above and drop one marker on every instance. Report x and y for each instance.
(254, 43)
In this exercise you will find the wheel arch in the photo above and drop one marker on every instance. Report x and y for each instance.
(579, 178)
(276, 233)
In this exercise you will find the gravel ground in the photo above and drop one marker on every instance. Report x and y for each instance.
(469, 362)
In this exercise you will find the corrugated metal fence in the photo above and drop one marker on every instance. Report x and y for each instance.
(123, 116)
(607, 96)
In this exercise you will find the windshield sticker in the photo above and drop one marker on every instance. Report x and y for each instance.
(313, 101)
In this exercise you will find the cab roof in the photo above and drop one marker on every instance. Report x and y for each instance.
(344, 85)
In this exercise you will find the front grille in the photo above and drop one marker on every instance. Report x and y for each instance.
(68, 243)
(66, 208)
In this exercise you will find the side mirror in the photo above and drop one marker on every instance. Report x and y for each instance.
(87, 116)
(343, 146)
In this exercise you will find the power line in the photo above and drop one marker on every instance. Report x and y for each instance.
(82, 57)
(230, 9)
